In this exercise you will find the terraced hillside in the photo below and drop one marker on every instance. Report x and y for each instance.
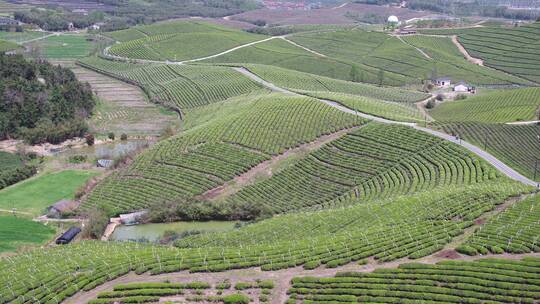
(302, 82)
(516, 145)
(372, 162)
(281, 53)
(499, 106)
(227, 139)
(486, 280)
(123, 108)
(515, 230)
(396, 56)
(177, 40)
(178, 86)
(513, 50)
(427, 221)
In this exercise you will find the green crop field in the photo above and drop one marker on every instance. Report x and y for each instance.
(228, 138)
(482, 281)
(515, 230)
(178, 41)
(372, 162)
(6, 46)
(381, 108)
(298, 81)
(494, 107)
(179, 86)
(16, 231)
(383, 52)
(65, 46)
(516, 145)
(427, 221)
(36, 194)
(512, 50)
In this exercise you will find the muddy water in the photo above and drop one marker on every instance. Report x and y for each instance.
(153, 232)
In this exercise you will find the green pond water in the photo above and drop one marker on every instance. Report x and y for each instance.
(153, 232)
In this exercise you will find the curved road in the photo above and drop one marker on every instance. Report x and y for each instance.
(506, 170)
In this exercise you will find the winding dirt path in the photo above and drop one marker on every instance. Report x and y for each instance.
(463, 51)
(417, 48)
(303, 47)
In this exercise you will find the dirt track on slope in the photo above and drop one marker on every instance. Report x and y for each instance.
(463, 51)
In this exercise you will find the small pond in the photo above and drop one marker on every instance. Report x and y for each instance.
(153, 232)
(108, 150)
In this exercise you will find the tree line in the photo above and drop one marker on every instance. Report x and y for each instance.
(40, 102)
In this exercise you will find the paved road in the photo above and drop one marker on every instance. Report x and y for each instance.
(506, 170)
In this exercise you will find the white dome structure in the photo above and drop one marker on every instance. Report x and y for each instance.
(393, 19)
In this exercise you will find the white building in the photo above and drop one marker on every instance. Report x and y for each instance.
(461, 87)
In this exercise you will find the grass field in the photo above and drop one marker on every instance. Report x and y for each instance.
(17, 231)
(34, 195)
(65, 46)
(499, 106)
(19, 37)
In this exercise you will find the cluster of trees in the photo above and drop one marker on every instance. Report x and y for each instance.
(58, 19)
(40, 102)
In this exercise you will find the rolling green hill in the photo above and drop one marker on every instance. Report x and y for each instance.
(178, 40)
(499, 106)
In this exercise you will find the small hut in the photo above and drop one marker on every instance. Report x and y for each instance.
(61, 207)
(68, 236)
(443, 82)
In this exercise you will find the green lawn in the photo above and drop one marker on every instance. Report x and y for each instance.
(65, 46)
(35, 194)
(17, 231)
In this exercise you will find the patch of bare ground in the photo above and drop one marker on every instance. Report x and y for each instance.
(123, 108)
(266, 169)
(463, 51)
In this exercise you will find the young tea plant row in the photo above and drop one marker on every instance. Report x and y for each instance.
(515, 230)
(426, 222)
(481, 281)
(222, 292)
(372, 162)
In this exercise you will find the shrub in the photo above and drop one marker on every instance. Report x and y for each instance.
(431, 104)
(77, 159)
(111, 135)
(312, 264)
(468, 250)
(236, 299)
(123, 136)
(460, 97)
(90, 139)
(440, 97)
